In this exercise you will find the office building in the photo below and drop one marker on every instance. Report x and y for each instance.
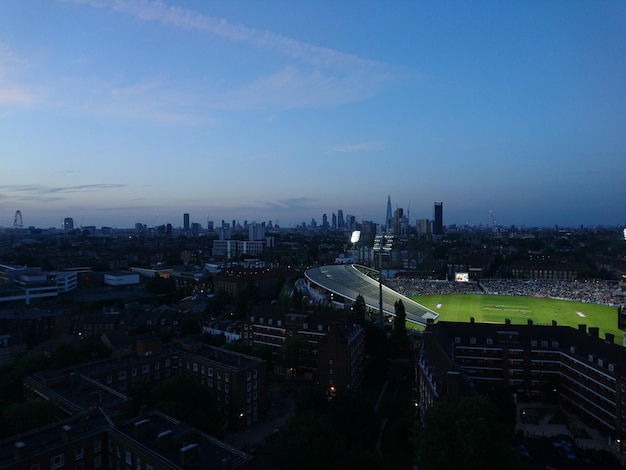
(438, 219)
(68, 224)
(186, 222)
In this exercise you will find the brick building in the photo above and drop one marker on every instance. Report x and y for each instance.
(585, 373)
(336, 341)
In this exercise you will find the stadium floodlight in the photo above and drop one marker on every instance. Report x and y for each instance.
(356, 236)
(383, 243)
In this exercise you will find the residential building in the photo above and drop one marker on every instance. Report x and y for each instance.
(337, 343)
(585, 373)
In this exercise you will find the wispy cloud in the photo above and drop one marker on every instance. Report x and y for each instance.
(44, 192)
(362, 147)
(310, 76)
(179, 17)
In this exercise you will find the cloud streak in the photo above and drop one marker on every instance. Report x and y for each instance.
(362, 147)
(311, 76)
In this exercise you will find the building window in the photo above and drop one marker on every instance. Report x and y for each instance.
(97, 445)
(145, 369)
(134, 372)
(544, 343)
(226, 388)
(533, 342)
(226, 377)
(57, 461)
(473, 340)
(195, 367)
(210, 372)
(248, 376)
(254, 373)
(122, 386)
(203, 369)
(97, 461)
(157, 365)
(122, 375)
(555, 344)
(109, 379)
(167, 362)
(79, 453)
(219, 375)
(489, 341)
(128, 457)
(457, 339)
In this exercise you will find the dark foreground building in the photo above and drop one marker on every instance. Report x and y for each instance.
(585, 373)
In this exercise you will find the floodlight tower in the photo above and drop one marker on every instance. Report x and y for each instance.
(382, 243)
(354, 239)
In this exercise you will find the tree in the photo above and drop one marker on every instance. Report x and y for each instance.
(465, 436)
(399, 340)
(308, 441)
(20, 417)
(359, 309)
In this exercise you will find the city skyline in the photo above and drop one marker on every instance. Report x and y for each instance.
(118, 112)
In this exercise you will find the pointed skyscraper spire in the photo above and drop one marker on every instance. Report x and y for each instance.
(389, 218)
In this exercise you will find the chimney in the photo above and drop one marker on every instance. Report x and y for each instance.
(163, 439)
(530, 322)
(594, 331)
(188, 454)
(582, 328)
(141, 427)
(507, 321)
(472, 320)
(66, 432)
(19, 450)
(609, 337)
(553, 322)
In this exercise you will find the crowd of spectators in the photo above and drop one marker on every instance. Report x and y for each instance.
(410, 287)
(591, 291)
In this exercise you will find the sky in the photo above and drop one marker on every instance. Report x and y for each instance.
(114, 112)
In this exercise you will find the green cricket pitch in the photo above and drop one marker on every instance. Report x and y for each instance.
(519, 309)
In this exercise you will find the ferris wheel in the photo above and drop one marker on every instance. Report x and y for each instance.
(17, 220)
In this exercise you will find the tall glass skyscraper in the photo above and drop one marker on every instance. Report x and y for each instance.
(389, 216)
(438, 219)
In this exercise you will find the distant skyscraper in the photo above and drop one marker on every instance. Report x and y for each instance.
(186, 222)
(334, 221)
(68, 224)
(438, 219)
(340, 222)
(389, 216)
(324, 221)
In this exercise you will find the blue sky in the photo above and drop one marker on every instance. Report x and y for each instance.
(121, 111)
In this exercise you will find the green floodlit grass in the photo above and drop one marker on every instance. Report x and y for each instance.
(495, 308)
